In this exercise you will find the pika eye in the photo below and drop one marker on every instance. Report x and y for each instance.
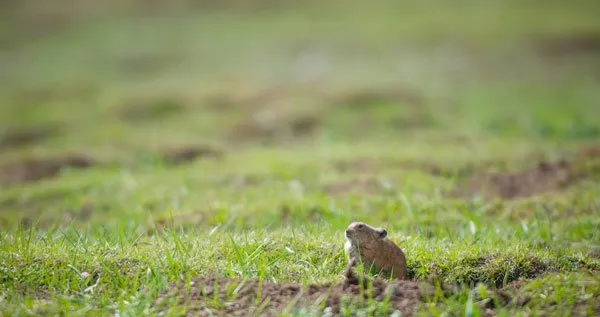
(360, 226)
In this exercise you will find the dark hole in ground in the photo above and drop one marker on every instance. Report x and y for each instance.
(15, 137)
(37, 169)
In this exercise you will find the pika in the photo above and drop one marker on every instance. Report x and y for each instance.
(369, 245)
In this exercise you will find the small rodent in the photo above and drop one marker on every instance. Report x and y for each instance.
(371, 247)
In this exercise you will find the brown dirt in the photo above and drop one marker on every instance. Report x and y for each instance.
(187, 154)
(21, 137)
(37, 169)
(545, 177)
(271, 299)
(230, 297)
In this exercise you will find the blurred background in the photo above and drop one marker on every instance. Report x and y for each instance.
(277, 85)
(123, 71)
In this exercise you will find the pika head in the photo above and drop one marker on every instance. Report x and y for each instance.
(359, 231)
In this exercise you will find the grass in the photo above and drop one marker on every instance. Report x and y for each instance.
(415, 99)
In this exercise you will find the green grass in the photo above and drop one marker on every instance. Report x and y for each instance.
(419, 97)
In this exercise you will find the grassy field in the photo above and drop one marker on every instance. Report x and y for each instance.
(194, 160)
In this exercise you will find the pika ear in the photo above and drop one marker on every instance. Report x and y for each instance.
(382, 233)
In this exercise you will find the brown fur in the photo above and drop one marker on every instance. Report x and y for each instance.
(371, 247)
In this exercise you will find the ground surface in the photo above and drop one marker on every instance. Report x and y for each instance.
(190, 160)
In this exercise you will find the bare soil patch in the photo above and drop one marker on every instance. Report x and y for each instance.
(227, 297)
(545, 177)
(16, 137)
(37, 169)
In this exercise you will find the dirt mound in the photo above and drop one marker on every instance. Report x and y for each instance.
(36, 169)
(545, 177)
(227, 297)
